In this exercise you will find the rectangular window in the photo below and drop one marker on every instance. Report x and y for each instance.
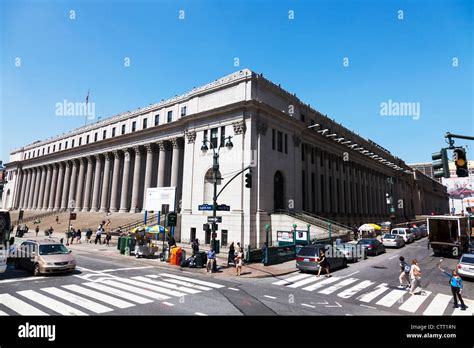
(145, 121)
(286, 143)
(80, 141)
(96, 136)
(280, 142)
(72, 143)
(104, 134)
(48, 150)
(183, 111)
(54, 148)
(43, 150)
(214, 137)
(303, 188)
(123, 129)
(303, 118)
(157, 120)
(303, 152)
(311, 122)
(224, 237)
(134, 126)
(338, 196)
(313, 194)
(59, 147)
(222, 136)
(323, 194)
(113, 132)
(65, 146)
(330, 195)
(205, 135)
(170, 116)
(87, 139)
(273, 139)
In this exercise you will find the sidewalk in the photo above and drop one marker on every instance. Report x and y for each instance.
(253, 270)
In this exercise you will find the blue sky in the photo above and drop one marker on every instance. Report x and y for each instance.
(409, 60)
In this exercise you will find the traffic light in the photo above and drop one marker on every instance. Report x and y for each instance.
(440, 164)
(461, 163)
(248, 180)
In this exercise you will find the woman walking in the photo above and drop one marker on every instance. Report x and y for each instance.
(231, 257)
(239, 262)
(456, 287)
(108, 237)
(78, 235)
(323, 263)
(415, 276)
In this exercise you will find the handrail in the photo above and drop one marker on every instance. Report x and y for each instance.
(34, 217)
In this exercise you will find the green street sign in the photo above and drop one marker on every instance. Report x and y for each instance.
(171, 219)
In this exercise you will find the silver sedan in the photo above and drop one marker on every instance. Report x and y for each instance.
(393, 240)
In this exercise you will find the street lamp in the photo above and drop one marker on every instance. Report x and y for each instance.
(215, 170)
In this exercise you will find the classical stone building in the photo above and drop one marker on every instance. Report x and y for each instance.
(300, 160)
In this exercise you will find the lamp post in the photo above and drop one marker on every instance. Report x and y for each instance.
(215, 171)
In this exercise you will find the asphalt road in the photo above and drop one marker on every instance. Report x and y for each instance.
(108, 284)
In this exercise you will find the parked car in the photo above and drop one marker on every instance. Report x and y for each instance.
(407, 235)
(307, 258)
(424, 231)
(352, 252)
(393, 240)
(416, 232)
(45, 257)
(373, 246)
(466, 266)
(3, 260)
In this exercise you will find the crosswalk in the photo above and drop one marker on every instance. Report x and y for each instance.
(102, 295)
(380, 295)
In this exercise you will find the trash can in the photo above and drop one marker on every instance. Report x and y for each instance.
(119, 244)
(215, 245)
(201, 259)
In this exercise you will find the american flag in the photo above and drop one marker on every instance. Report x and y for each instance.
(87, 98)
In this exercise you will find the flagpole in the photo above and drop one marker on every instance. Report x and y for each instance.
(87, 103)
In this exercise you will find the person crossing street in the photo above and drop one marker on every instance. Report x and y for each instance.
(404, 276)
(456, 287)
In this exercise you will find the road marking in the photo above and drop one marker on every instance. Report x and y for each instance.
(391, 258)
(117, 292)
(355, 289)
(350, 274)
(191, 285)
(136, 290)
(99, 296)
(438, 305)
(86, 269)
(3, 313)
(307, 305)
(78, 300)
(19, 306)
(125, 269)
(201, 314)
(168, 304)
(414, 302)
(469, 309)
(363, 305)
(272, 297)
(338, 286)
(234, 289)
(304, 282)
(367, 297)
(154, 276)
(391, 298)
(338, 305)
(321, 284)
(151, 287)
(50, 303)
(19, 280)
(201, 282)
(167, 285)
(292, 279)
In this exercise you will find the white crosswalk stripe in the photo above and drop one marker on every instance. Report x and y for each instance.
(201, 282)
(166, 285)
(438, 305)
(391, 298)
(78, 300)
(321, 284)
(187, 284)
(50, 303)
(99, 296)
(19, 306)
(136, 290)
(3, 313)
(119, 293)
(305, 281)
(338, 286)
(292, 279)
(414, 302)
(369, 296)
(469, 310)
(155, 288)
(348, 293)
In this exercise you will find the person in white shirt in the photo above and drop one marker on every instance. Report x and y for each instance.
(415, 277)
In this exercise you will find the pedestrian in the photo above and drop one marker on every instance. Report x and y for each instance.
(72, 233)
(323, 263)
(108, 223)
(239, 261)
(211, 260)
(88, 235)
(264, 252)
(37, 230)
(108, 237)
(98, 233)
(231, 257)
(195, 246)
(171, 242)
(79, 235)
(405, 273)
(456, 287)
(57, 219)
(415, 277)
(50, 232)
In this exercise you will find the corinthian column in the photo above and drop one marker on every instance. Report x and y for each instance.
(38, 186)
(115, 182)
(59, 186)
(148, 169)
(175, 162)
(161, 164)
(24, 195)
(53, 188)
(87, 193)
(96, 188)
(125, 180)
(136, 180)
(80, 184)
(72, 187)
(105, 183)
(66, 193)
(32, 189)
(47, 187)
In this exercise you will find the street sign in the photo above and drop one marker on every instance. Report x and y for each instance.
(214, 219)
(171, 219)
(392, 210)
(205, 207)
(208, 207)
(72, 216)
(223, 207)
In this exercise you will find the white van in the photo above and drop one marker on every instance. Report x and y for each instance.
(407, 235)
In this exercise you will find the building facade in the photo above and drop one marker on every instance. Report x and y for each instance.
(300, 160)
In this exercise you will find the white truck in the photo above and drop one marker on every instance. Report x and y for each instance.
(449, 235)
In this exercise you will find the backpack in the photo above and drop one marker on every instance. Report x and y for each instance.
(406, 267)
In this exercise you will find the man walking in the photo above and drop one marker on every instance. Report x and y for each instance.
(456, 287)
(211, 260)
(404, 276)
(98, 234)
